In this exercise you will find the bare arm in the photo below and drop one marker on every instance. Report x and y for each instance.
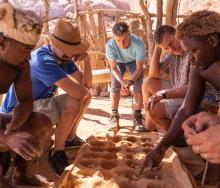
(115, 71)
(84, 77)
(190, 106)
(138, 71)
(72, 88)
(87, 72)
(154, 68)
(179, 92)
(24, 107)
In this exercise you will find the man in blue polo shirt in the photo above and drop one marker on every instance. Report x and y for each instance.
(52, 67)
(125, 51)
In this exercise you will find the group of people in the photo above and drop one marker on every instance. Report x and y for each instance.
(182, 80)
(182, 84)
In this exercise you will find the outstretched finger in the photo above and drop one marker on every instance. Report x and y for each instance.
(142, 167)
(149, 165)
(24, 154)
(9, 129)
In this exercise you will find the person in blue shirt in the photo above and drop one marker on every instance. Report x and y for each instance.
(52, 67)
(125, 51)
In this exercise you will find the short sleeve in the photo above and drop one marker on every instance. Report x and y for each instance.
(69, 67)
(47, 70)
(110, 51)
(141, 53)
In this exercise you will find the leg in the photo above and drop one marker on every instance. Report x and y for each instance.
(116, 87)
(164, 111)
(159, 116)
(115, 98)
(66, 123)
(85, 104)
(150, 86)
(62, 111)
(40, 127)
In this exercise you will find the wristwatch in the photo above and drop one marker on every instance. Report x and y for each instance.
(130, 82)
(164, 94)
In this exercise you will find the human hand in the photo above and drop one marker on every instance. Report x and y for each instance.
(123, 83)
(199, 122)
(207, 143)
(125, 91)
(10, 127)
(152, 159)
(23, 144)
(129, 83)
(82, 56)
(153, 99)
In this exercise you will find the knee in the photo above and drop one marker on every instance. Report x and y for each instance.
(155, 112)
(148, 84)
(72, 104)
(115, 87)
(44, 126)
(88, 98)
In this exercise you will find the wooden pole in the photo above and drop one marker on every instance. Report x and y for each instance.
(46, 25)
(76, 10)
(150, 41)
(159, 13)
(171, 12)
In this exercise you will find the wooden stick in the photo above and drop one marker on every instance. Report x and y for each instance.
(159, 13)
(127, 13)
(150, 40)
(205, 173)
(171, 12)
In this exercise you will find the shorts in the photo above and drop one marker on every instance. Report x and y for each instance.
(171, 105)
(52, 107)
(131, 67)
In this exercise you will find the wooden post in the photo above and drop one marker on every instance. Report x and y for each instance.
(135, 25)
(159, 13)
(93, 24)
(101, 31)
(117, 17)
(76, 10)
(171, 12)
(46, 25)
(150, 41)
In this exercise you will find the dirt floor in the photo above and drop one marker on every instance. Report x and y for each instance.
(96, 118)
(94, 122)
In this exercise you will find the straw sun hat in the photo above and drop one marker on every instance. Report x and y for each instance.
(66, 37)
(21, 25)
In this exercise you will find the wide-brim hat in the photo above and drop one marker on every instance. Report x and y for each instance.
(21, 25)
(66, 37)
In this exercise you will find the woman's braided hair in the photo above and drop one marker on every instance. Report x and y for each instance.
(201, 23)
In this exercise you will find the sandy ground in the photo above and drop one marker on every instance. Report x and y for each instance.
(94, 122)
(96, 118)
